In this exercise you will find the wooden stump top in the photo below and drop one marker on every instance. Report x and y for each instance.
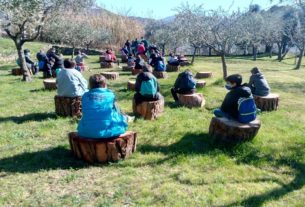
(102, 58)
(136, 71)
(270, 96)
(226, 130)
(131, 85)
(200, 84)
(160, 75)
(267, 103)
(172, 68)
(106, 65)
(16, 71)
(50, 84)
(111, 75)
(103, 150)
(201, 75)
(127, 68)
(149, 110)
(191, 100)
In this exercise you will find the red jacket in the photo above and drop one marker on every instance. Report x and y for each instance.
(141, 49)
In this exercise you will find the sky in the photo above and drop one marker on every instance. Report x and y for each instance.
(159, 9)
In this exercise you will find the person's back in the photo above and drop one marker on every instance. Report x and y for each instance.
(185, 81)
(70, 82)
(141, 49)
(79, 59)
(101, 118)
(258, 84)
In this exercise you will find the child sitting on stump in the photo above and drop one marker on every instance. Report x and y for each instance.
(238, 103)
(258, 84)
(101, 116)
(147, 87)
(70, 82)
(185, 84)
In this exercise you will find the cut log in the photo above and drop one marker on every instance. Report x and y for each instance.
(225, 130)
(106, 65)
(149, 110)
(200, 84)
(127, 68)
(131, 85)
(102, 59)
(191, 100)
(172, 68)
(185, 63)
(103, 150)
(136, 71)
(16, 71)
(160, 75)
(111, 75)
(50, 84)
(124, 58)
(201, 75)
(66, 106)
(267, 103)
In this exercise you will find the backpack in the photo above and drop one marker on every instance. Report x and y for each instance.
(188, 81)
(108, 57)
(160, 66)
(149, 87)
(246, 110)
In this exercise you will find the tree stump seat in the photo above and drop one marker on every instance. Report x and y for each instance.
(267, 103)
(172, 68)
(191, 100)
(127, 68)
(225, 130)
(66, 106)
(50, 84)
(103, 150)
(136, 71)
(149, 110)
(102, 58)
(111, 75)
(160, 74)
(185, 63)
(200, 84)
(124, 58)
(201, 75)
(106, 65)
(131, 85)
(16, 71)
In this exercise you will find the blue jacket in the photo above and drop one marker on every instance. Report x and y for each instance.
(101, 118)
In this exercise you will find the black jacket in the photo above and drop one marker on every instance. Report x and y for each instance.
(230, 103)
(144, 76)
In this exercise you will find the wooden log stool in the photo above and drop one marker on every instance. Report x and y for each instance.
(172, 68)
(200, 84)
(267, 103)
(131, 85)
(225, 130)
(160, 75)
(124, 58)
(191, 100)
(185, 63)
(201, 75)
(111, 75)
(16, 71)
(103, 150)
(66, 106)
(136, 71)
(127, 68)
(102, 58)
(50, 84)
(106, 65)
(149, 110)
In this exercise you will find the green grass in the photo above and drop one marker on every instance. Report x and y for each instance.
(176, 163)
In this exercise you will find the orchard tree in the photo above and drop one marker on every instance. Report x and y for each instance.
(24, 19)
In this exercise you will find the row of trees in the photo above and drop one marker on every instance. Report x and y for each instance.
(224, 33)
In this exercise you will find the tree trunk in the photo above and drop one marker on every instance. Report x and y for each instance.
(25, 70)
(300, 59)
(210, 51)
(73, 50)
(193, 57)
(279, 54)
(254, 53)
(224, 66)
(163, 49)
(270, 51)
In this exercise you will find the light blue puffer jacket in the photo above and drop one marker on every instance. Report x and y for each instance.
(101, 118)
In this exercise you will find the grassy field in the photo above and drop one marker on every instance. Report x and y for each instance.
(176, 163)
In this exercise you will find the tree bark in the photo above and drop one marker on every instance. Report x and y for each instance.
(254, 53)
(25, 70)
(224, 66)
(194, 53)
(210, 51)
(73, 50)
(279, 54)
(298, 66)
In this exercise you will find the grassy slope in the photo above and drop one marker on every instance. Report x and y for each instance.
(176, 163)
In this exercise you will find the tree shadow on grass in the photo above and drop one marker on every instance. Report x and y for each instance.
(38, 117)
(49, 159)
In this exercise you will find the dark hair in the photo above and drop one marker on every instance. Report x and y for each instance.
(255, 70)
(146, 68)
(97, 81)
(236, 78)
(69, 63)
(26, 51)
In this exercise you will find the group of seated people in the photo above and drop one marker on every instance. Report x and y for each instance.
(175, 60)
(103, 119)
(136, 47)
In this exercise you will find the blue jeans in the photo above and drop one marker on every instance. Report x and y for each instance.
(219, 113)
